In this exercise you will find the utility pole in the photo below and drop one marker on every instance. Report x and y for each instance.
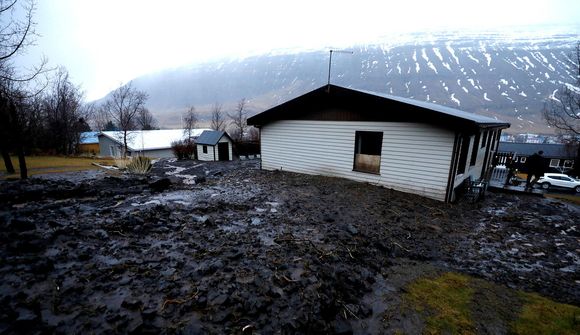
(330, 64)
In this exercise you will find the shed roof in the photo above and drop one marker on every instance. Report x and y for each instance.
(210, 137)
(150, 139)
(89, 137)
(550, 150)
(331, 102)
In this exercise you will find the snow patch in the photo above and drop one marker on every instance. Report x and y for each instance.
(485, 97)
(454, 99)
(471, 57)
(488, 58)
(452, 52)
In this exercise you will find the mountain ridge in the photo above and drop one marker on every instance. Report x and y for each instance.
(509, 77)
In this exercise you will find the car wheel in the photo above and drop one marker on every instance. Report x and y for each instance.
(577, 189)
(546, 186)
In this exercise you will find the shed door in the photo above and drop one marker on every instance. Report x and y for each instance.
(224, 151)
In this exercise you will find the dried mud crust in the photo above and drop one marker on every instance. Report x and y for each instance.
(226, 247)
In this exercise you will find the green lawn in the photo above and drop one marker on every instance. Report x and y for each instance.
(53, 164)
(448, 303)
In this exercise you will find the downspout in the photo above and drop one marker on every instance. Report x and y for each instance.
(214, 153)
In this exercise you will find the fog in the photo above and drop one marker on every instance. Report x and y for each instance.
(106, 43)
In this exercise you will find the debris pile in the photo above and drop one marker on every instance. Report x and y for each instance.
(253, 251)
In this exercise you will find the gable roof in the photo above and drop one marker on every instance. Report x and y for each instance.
(150, 139)
(336, 103)
(211, 137)
(550, 150)
(89, 137)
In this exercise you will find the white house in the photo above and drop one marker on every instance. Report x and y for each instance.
(150, 143)
(403, 144)
(214, 145)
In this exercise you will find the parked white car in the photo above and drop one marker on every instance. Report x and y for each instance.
(559, 180)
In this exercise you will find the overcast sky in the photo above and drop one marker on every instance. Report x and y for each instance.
(104, 43)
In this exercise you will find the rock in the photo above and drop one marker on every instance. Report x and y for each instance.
(100, 233)
(24, 314)
(342, 327)
(21, 225)
(219, 300)
(349, 228)
(160, 185)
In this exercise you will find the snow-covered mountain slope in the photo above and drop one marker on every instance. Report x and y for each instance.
(504, 76)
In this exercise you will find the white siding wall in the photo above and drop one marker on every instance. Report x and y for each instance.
(159, 153)
(415, 157)
(206, 157)
(105, 144)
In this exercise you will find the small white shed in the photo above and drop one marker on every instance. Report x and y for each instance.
(214, 145)
(408, 145)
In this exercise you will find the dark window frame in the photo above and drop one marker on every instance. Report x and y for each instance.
(368, 143)
(204, 149)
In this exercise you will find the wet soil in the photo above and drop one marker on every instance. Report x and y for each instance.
(229, 248)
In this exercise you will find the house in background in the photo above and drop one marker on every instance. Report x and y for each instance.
(558, 157)
(407, 145)
(214, 145)
(89, 143)
(150, 143)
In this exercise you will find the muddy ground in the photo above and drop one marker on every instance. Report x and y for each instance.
(228, 248)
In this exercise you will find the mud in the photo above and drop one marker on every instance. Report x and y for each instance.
(228, 248)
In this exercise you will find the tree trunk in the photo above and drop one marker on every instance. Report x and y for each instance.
(21, 161)
(7, 161)
(17, 140)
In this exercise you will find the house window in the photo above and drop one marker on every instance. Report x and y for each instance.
(554, 162)
(523, 159)
(367, 151)
(205, 149)
(568, 163)
(112, 151)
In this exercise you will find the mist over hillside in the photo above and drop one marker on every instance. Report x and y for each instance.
(508, 76)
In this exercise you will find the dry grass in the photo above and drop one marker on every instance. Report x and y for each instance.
(575, 199)
(54, 164)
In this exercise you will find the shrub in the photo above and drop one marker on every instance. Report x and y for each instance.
(184, 149)
(139, 165)
(122, 163)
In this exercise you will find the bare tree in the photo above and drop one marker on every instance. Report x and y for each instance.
(239, 120)
(123, 106)
(146, 120)
(65, 118)
(98, 118)
(254, 134)
(218, 121)
(16, 33)
(563, 110)
(189, 121)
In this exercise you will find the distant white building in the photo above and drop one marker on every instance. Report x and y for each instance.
(150, 143)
